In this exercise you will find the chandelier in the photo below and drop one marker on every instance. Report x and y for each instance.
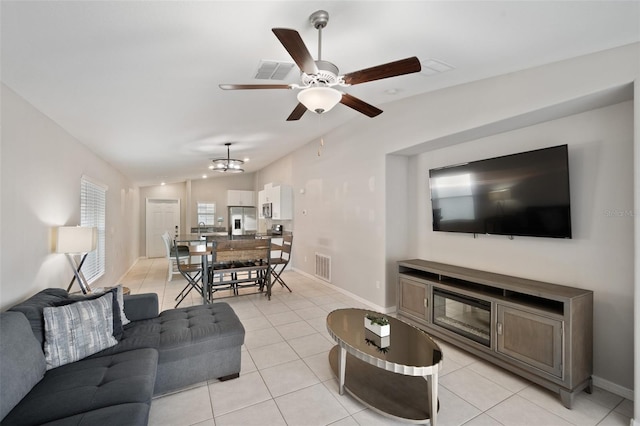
(227, 165)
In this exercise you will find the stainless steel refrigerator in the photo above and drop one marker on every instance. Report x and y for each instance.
(242, 220)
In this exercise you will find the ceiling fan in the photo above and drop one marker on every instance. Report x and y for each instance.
(320, 79)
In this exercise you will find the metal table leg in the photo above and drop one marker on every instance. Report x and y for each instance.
(342, 365)
(432, 397)
(205, 279)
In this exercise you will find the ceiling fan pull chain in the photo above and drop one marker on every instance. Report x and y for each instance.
(321, 145)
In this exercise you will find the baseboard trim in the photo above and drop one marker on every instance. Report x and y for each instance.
(130, 268)
(612, 387)
(373, 306)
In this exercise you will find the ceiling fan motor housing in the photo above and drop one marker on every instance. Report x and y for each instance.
(327, 75)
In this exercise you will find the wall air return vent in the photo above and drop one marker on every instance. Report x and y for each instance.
(323, 267)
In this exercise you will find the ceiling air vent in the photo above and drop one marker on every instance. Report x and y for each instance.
(434, 66)
(273, 70)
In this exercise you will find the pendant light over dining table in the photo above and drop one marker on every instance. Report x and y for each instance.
(227, 165)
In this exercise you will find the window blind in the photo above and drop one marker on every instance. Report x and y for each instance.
(207, 213)
(93, 199)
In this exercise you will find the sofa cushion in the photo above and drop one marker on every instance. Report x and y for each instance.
(121, 414)
(32, 309)
(22, 362)
(91, 390)
(117, 312)
(139, 307)
(75, 331)
(183, 332)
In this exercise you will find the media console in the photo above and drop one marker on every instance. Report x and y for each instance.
(540, 331)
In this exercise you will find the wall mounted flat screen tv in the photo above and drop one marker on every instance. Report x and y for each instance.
(525, 194)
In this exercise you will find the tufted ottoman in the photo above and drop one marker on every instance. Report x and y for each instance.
(195, 344)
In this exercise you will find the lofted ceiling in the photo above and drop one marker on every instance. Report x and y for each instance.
(137, 81)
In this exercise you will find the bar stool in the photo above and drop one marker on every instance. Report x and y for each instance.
(183, 255)
(192, 272)
(279, 264)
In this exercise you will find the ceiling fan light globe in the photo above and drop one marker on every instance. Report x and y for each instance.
(319, 99)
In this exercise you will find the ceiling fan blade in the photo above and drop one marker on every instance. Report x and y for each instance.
(297, 112)
(360, 105)
(292, 41)
(392, 69)
(253, 86)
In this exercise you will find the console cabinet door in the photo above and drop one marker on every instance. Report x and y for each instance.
(413, 298)
(534, 339)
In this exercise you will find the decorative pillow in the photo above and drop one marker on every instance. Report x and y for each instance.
(117, 320)
(120, 295)
(75, 331)
(22, 362)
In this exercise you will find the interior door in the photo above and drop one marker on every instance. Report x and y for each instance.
(162, 215)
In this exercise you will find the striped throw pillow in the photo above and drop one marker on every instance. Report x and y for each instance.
(75, 331)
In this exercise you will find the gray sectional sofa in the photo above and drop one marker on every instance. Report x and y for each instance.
(158, 353)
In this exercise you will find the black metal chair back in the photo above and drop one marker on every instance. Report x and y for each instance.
(191, 272)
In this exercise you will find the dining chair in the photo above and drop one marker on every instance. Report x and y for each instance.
(279, 264)
(192, 272)
(183, 252)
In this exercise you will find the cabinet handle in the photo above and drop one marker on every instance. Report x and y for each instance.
(499, 328)
(426, 303)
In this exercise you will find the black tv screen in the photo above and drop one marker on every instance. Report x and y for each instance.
(525, 194)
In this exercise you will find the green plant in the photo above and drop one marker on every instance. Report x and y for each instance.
(377, 320)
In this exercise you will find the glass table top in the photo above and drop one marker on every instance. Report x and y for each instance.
(406, 345)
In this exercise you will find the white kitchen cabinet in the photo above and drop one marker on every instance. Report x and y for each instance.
(262, 198)
(281, 199)
(240, 198)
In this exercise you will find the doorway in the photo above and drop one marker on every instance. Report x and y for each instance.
(161, 215)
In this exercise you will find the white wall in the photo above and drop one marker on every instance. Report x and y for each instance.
(189, 193)
(636, 305)
(278, 173)
(364, 225)
(215, 190)
(173, 191)
(41, 169)
(599, 257)
(345, 203)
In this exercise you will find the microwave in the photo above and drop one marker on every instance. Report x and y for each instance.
(266, 210)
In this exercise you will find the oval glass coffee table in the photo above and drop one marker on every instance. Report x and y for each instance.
(396, 376)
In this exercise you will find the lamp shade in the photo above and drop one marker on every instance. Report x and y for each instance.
(319, 99)
(76, 239)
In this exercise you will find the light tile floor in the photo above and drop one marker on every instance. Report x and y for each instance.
(286, 379)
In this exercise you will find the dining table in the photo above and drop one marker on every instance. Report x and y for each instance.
(227, 250)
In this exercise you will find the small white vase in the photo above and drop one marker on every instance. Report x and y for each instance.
(380, 330)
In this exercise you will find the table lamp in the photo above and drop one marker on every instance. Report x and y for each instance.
(76, 241)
